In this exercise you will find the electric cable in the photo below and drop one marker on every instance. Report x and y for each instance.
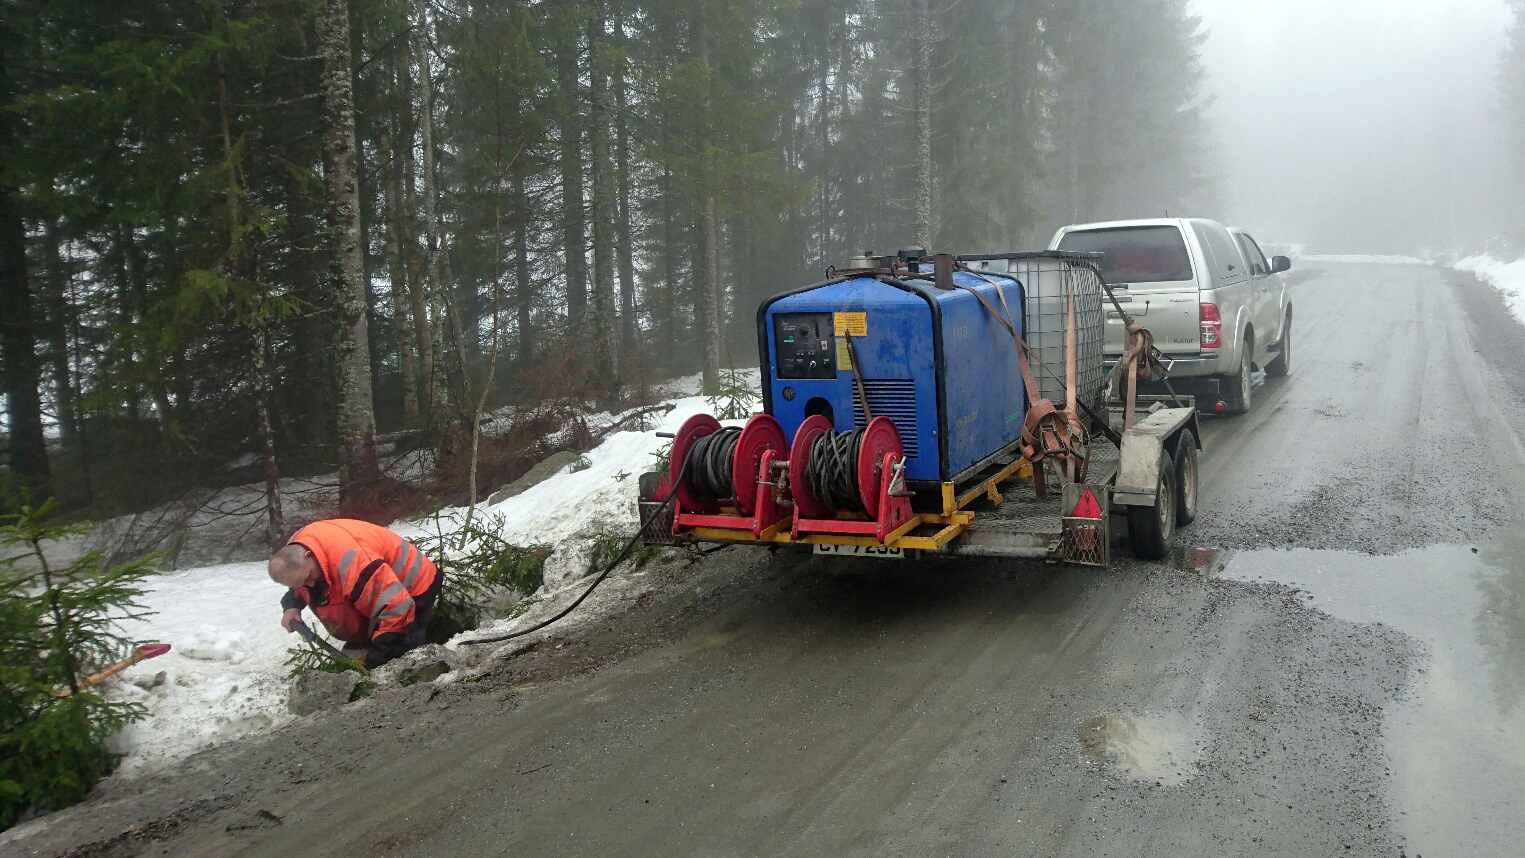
(713, 456)
(834, 469)
(672, 497)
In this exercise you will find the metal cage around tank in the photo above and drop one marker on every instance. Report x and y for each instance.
(1048, 280)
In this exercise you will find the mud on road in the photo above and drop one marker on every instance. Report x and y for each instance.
(1245, 700)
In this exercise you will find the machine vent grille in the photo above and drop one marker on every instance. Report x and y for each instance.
(894, 398)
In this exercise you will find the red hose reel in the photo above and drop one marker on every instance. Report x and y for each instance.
(762, 490)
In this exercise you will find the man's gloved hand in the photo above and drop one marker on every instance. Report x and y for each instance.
(291, 615)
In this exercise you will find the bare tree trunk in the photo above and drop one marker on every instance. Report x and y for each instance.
(128, 273)
(706, 309)
(921, 36)
(58, 335)
(398, 276)
(823, 130)
(450, 297)
(433, 241)
(624, 238)
(502, 162)
(240, 265)
(604, 357)
(357, 459)
(19, 373)
(417, 277)
(23, 402)
(669, 265)
(275, 533)
(1073, 148)
(523, 289)
(573, 216)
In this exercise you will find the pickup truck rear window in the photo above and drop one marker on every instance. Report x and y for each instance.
(1134, 254)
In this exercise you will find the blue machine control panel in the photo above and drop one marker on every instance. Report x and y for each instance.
(803, 343)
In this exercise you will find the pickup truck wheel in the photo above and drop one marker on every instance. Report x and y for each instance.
(1151, 530)
(1185, 462)
(1281, 365)
(1236, 398)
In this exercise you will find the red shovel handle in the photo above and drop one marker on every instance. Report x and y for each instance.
(146, 651)
(153, 650)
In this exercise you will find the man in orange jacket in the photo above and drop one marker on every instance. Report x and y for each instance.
(369, 586)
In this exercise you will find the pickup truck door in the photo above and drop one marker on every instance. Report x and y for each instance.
(1268, 291)
(1152, 272)
(1226, 284)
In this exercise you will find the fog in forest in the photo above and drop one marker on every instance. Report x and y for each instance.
(224, 228)
(1361, 126)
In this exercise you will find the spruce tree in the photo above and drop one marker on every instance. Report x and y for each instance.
(57, 626)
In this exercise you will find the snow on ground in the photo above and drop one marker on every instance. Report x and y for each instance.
(1367, 259)
(598, 497)
(1507, 277)
(226, 673)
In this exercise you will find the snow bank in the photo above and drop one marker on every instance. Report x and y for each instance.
(226, 675)
(1507, 277)
(1367, 259)
(573, 504)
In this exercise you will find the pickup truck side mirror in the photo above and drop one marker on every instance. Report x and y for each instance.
(1280, 264)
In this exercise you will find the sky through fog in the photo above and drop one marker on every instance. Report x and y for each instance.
(1360, 126)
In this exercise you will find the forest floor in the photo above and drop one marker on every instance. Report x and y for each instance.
(1331, 668)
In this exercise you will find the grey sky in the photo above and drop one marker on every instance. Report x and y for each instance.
(1358, 125)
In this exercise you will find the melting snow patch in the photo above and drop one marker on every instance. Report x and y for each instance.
(226, 675)
(1507, 277)
(1367, 259)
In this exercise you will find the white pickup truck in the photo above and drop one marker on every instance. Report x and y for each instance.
(1218, 309)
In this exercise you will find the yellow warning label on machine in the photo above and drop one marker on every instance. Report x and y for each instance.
(844, 356)
(851, 324)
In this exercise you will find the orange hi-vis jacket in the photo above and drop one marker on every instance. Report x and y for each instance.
(371, 574)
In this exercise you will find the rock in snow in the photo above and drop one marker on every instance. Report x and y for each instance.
(548, 467)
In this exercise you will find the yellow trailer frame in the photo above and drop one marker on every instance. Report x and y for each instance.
(951, 521)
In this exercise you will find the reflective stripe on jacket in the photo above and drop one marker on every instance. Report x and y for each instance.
(371, 575)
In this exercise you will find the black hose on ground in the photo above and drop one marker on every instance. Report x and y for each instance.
(672, 496)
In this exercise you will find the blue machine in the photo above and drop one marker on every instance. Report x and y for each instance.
(932, 360)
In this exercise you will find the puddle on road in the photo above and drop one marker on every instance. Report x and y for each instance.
(1148, 748)
(1457, 743)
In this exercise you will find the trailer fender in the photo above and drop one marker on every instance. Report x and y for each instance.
(1139, 456)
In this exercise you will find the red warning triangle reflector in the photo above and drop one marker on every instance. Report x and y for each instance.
(1086, 507)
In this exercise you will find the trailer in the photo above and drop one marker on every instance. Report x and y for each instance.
(939, 404)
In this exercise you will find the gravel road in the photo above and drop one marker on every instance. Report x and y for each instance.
(1339, 671)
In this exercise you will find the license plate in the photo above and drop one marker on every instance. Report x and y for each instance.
(884, 551)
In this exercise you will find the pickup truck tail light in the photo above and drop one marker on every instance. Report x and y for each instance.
(1212, 327)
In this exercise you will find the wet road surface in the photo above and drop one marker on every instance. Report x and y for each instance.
(1285, 692)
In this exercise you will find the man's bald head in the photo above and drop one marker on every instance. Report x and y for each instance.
(294, 566)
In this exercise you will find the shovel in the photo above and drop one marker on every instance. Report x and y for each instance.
(142, 653)
(333, 652)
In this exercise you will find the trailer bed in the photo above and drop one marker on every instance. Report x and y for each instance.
(996, 513)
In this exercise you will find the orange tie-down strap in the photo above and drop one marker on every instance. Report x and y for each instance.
(1048, 430)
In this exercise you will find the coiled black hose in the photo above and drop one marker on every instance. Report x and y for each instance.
(834, 469)
(709, 464)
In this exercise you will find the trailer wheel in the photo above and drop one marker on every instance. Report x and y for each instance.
(1151, 530)
(1185, 461)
